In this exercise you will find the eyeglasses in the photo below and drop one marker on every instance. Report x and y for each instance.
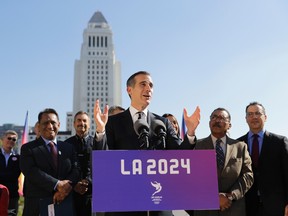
(11, 138)
(252, 114)
(219, 118)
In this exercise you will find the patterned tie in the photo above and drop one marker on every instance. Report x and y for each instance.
(220, 155)
(53, 152)
(140, 115)
(255, 150)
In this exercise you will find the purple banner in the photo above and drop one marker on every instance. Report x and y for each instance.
(139, 180)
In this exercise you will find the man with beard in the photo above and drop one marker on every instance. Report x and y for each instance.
(234, 169)
(83, 144)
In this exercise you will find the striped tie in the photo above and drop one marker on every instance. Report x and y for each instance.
(220, 155)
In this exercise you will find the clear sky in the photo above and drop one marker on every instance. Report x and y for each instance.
(211, 53)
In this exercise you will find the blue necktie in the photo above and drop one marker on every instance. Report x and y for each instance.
(220, 155)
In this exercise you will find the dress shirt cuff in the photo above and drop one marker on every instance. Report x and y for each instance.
(55, 187)
(99, 136)
(191, 139)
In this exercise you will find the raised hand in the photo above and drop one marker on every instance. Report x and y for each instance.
(192, 121)
(99, 117)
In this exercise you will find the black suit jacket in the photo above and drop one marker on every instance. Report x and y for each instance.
(9, 174)
(37, 167)
(271, 176)
(83, 151)
(120, 134)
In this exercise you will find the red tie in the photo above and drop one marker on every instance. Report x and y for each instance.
(53, 152)
(255, 150)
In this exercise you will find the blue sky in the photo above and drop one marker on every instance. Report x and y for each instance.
(207, 53)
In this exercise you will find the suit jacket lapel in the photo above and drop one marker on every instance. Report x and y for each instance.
(127, 119)
(43, 148)
(265, 145)
(229, 150)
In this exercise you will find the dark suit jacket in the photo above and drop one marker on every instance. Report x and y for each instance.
(83, 149)
(40, 177)
(120, 135)
(9, 175)
(271, 176)
(236, 176)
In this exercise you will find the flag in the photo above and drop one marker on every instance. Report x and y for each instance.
(25, 131)
(23, 141)
(183, 128)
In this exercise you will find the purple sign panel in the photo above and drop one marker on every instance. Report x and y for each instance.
(139, 180)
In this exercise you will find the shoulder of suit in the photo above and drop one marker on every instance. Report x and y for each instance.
(274, 136)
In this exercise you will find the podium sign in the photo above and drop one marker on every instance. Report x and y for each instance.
(141, 180)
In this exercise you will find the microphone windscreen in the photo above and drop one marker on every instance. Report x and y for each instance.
(139, 125)
(157, 125)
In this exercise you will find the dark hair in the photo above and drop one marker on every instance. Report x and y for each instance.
(131, 80)
(222, 109)
(253, 104)
(80, 113)
(166, 115)
(47, 111)
(114, 108)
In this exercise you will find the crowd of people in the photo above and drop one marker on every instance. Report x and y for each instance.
(252, 170)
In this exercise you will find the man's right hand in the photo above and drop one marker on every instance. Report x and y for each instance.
(64, 186)
(99, 117)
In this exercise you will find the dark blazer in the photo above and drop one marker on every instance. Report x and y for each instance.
(83, 150)
(9, 175)
(120, 135)
(236, 176)
(40, 177)
(271, 176)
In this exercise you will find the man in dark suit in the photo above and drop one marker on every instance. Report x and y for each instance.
(49, 165)
(10, 169)
(269, 193)
(235, 175)
(118, 132)
(83, 143)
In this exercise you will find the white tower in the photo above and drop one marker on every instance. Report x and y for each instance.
(97, 75)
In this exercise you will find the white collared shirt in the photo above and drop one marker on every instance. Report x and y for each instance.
(7, 155)
(222, 144)
(134, 113)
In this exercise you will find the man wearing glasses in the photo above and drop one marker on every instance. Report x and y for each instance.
(269, 153)
(234, 170)
(9, 169)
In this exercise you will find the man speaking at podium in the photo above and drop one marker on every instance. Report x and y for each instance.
(138, 128)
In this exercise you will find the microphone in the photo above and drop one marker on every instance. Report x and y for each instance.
(160, 129)
(141, 128)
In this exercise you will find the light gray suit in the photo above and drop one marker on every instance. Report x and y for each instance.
(236, 176)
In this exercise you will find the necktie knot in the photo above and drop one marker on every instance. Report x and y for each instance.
(140, 115)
